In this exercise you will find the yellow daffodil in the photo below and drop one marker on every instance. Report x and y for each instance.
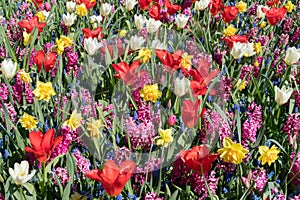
(257, 47)
(94, 128)
(44, 91)
(144, 55)
(41, 16)
(28, 122)
(268, 155)
(123, 33)
(150, 93)
(62, 43)
(26, 37)
(25, 76)
(232, 152)
(229, 31)
(263, 24)
(289, 6)
(81, 10)
(165, 137)
(242, 6)
(74, 121)
(186, 61)
(241, 85)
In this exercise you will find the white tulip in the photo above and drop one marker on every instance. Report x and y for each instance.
(8, 68)
(20, 173)
(152, 25)
(238, 50)
(292, 56)
(69, 19)
(96, 21)
(139, 21)
(71, 6)
(250, 50)
(259, 13)
(91, 45)
(202, 4)
(180, 86)
(282, 95)
(156, 44)
(181, 20)
(129, 4)
(105, 9)
(136, 42)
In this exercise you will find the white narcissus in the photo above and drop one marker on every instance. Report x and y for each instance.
(129, 4)
(238, 50)
(181, 20)
(105, 9)
(69, 19)
(282, 95)
(292, 56)
(139, 21)
(20, 173)
(136, 42)
(202, 4)
(152, 25)
(71, 6)
(8, 68)
(91, 45)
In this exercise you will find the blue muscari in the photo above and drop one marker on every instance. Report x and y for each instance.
(270, 175)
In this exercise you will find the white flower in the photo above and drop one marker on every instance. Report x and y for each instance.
(238, 50)
(69, 19)
(71, 6)
(181, 20)
(46, 14)
(139, 21)
(202, 4)
(282, 95)
(180, 86)
(96, 21)
(8, 68)
(250, 50)
(20, 173)
(136, 42)
(259, 12)
(91, 45)
(292, 56)
(152, 25)
(156, 44)
(105, 9)
(129, 4)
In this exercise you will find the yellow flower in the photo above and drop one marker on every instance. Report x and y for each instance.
(77, 196)
(26, 37)
(232, 152)
(241, 85)
(186, 61)
(92, 1)
(242, 6)
(150, 93)
(67, 40)
(74, 122)
(94, 128)
(144, 54)
(123, 33)
(268, 155)
(40, 16)
(229, 31)
(263, 24)
(165, 137)
(81, 10)
(25, 76)
(28, 122)
(289, 6)
(256, 64)
(62, 43)
(44, 91)
(257, 47)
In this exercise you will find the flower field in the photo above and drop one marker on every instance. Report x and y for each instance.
(149, 99)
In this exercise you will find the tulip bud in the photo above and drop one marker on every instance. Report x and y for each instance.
(282, 95)
(71, 6)
(152, 25)
(180, 87)
(139, 21)
(292, 56)
(181, 20)
(69, 19)
(172, 120)
(202, 4)
(136, 42)
(106, 9)
(8, 68)
(91, 45)
(129, 4)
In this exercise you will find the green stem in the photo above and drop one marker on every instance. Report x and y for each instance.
(21, 193)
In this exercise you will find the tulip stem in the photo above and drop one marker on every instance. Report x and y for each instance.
(21, 193)
(278, 115)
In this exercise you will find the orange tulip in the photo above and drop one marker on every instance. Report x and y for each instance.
(29, 25)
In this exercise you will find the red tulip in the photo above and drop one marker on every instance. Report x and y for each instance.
(113, 177)
(38, 3)
(88, 3)
(93, 34)
(198, 158)
(172, 8)
(274, 15)
(29, 25)
(170, 61)
(272, 3)
(42, 144)
(189, 112)
(144, 4)
(201, 78)
(215, 6)
(48, 61)
(154, 12)
(235, 38)
(229, 13)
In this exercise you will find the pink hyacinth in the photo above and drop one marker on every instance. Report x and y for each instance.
(292, 127)
(295, 168)
(153, 196)
(260, 178)
(82, 163)
(3, 92)
(62, 175)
